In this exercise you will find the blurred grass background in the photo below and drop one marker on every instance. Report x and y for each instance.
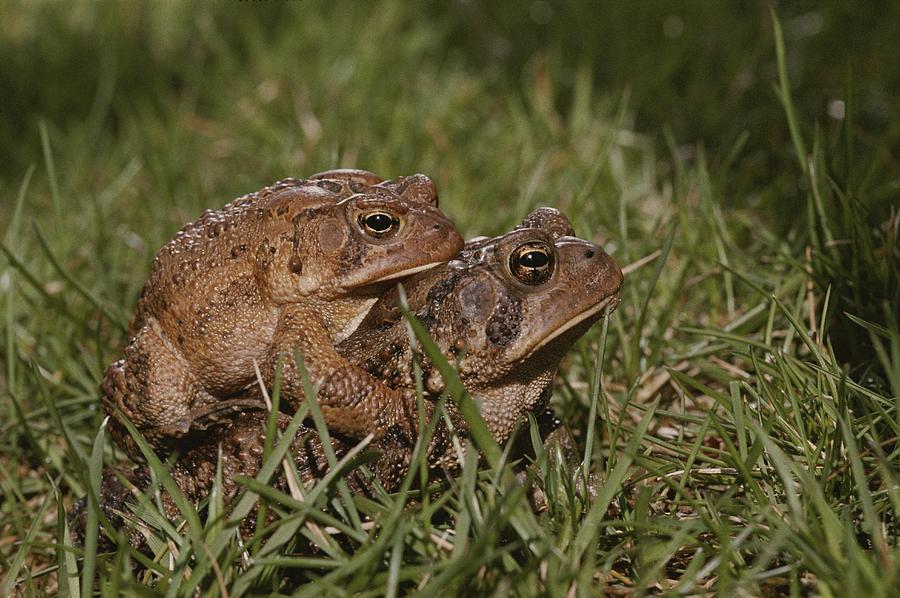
(656, 126)
(701, 70)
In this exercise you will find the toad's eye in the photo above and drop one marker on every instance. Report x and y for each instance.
(378, 224)
(532, 263)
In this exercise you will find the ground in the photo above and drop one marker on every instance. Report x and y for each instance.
(740, 436)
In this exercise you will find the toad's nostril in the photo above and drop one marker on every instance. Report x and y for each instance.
(589, 253)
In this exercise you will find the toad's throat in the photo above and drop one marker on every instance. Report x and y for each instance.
(571, 323)
(353, 324)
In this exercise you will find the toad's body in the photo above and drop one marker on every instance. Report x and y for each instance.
(504, 312)
(288, 269)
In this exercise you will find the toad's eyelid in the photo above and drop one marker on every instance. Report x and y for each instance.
(526, 248)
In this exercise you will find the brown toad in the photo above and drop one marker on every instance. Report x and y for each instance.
(288, 269)
(504, 311)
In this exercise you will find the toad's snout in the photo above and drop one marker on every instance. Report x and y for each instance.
(593, 267)
(438, 236)
(607, 273)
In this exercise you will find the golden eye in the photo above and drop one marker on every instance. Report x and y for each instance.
(378, 224)
(532, 263)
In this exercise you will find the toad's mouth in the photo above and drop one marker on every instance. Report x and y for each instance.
(611, 301)
(407, 272)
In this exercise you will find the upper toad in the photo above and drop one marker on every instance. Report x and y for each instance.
(290, 268)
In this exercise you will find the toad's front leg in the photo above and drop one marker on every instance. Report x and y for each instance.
(353, 401)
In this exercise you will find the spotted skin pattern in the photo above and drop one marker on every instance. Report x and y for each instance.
(284, 271)
(505, 336)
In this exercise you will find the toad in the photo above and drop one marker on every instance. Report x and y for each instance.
(504, 311)
(288, 270)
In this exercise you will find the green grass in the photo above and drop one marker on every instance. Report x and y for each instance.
(749, 399)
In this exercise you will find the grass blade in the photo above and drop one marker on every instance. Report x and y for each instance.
(92, 527)
(9, 580)
(588, 532)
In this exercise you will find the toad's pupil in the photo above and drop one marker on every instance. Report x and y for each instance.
(534, 259)
(379, 222)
